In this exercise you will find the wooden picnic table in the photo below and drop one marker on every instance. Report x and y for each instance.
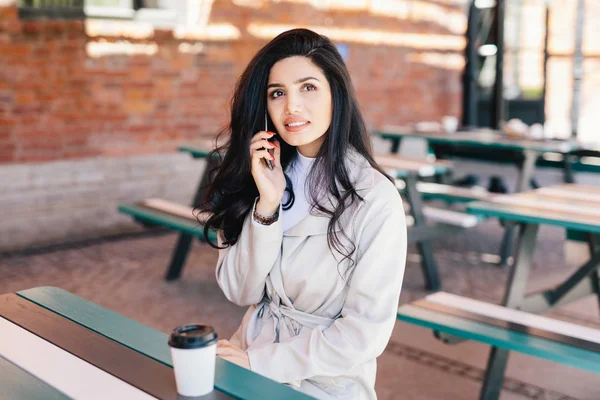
(487, 144)
(485, 138)
(101, 354)
(569, 206)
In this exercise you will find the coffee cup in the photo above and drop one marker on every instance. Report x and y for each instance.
(450, 124)
(193, 352)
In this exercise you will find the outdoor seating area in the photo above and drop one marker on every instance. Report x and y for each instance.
(214, 199)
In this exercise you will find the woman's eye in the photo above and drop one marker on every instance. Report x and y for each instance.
(276, 93)
(310, 87)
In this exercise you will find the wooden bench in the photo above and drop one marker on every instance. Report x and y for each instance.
(403, 166)
(451, 194)
(166, 213)
(506, 328)
(174, 216)
(448, 193)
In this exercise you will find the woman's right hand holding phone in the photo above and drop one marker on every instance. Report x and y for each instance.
(270, 183)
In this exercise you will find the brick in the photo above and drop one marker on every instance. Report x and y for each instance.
(141, 74)
(137, 106)
(9, 13)
(25, 98)
(15, 49)
(11, 26)
(171, 96)
(31, 27)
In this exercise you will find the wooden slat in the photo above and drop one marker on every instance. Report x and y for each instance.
(416, 166)
(499, 337)
(575, 211)
(16, 383)
(572, 191)
(560, 206)
(522, 323)
(174, 222)
(175, 209)
(128, 365)
(531, 216)
(229, 378)
(67, 373)
(438, 190)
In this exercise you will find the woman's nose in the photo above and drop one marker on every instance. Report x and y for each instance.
(293, 105)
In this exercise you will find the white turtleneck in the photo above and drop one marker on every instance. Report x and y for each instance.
(298, 174)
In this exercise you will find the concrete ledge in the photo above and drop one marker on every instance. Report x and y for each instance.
(56, 202)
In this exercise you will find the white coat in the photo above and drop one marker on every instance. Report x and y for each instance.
(307, 326)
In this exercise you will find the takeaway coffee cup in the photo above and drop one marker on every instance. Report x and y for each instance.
(193, 351)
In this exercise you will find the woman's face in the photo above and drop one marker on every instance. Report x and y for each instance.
(299, 103)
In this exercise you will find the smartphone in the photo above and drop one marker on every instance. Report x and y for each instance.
(269, 162)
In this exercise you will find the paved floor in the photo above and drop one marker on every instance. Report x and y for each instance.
(127, 276)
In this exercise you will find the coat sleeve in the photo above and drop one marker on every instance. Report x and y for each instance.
(368, 315)
(243, 268)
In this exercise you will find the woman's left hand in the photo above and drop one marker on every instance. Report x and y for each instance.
(233, 354)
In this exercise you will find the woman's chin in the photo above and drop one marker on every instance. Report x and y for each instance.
(297, 139)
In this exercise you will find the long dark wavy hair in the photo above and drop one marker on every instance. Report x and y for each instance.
(231, 191)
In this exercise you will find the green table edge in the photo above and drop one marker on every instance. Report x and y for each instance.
(18, 384)
(507, 213)
(501, 338)
(400, 173)
(471, 143)
(229, 378)
(194, 151)
(576, 166)
(170, 221)
(450, 198)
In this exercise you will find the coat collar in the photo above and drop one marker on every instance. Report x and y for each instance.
(362, 175)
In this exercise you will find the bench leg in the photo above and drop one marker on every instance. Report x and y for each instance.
(395, 145)
(507, 245)
(568, 176)
(595, 277)
(184, 241)
(581, 283)
(515, 292)
(428, 264)
(525, 174)
(494, 374)
(594, 245)
(179, 256)
(430, 269)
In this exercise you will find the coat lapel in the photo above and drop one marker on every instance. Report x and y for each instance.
(309, 226)
(363, 177)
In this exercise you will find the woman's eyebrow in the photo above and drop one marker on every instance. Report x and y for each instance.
(270, 85)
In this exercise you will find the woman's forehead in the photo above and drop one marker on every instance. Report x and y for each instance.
(288, 70)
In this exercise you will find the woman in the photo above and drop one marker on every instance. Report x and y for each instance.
(316, 246)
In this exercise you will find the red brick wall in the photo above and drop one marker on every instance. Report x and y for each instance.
(57, 102)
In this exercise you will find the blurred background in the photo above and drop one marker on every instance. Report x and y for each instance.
(96, 96)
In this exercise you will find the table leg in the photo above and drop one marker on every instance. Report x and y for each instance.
(581, 283)
(395, 145)
(515, 292)
(525, 173)
(428, 264)
(594, 245)
(568, 176)
(184, 241)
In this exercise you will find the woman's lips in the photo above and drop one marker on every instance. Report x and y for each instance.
(296, 128)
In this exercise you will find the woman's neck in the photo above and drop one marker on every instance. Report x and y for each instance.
(304, 162)
(311, 150)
